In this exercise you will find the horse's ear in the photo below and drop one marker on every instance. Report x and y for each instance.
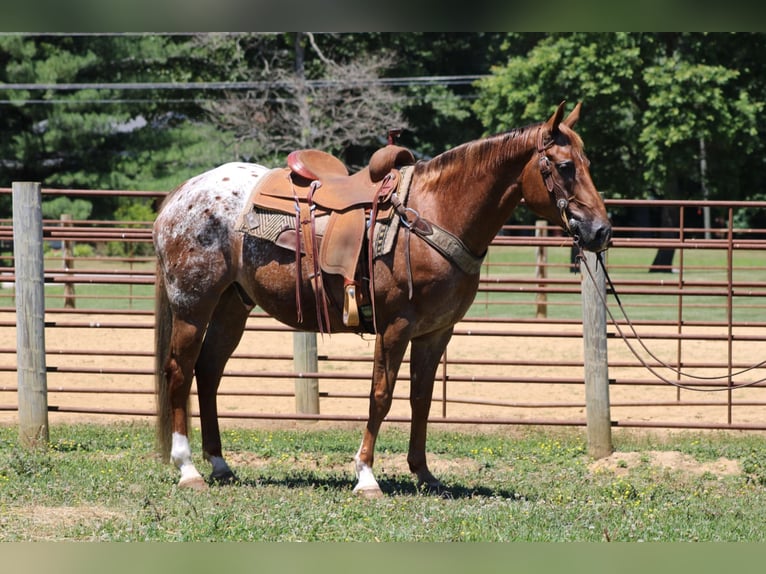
(554, 121)
(573, 116)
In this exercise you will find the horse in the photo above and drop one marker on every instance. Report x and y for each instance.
(210, 276)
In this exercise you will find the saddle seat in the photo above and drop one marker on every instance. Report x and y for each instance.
(338, 189)
(316, 184)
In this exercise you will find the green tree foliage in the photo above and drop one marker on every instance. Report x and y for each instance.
(96, 137)
(78, 209)
(649, 100)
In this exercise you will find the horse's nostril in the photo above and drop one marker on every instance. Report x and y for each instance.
(602, 234)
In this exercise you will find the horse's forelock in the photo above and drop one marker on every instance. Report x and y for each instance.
(574, 138)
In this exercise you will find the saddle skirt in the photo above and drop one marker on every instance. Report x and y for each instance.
(315, 209)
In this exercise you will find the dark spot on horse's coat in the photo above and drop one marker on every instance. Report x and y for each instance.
(213, 232)
(218, 198)
(235, 194)
(191, 206)
(225, 179)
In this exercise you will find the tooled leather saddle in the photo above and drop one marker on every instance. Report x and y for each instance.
(316, 209)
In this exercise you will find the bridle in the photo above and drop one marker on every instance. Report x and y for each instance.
(558, 193)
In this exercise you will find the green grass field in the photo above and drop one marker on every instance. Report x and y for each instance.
(104, 483)
(627, 266)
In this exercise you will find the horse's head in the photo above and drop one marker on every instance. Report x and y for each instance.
(556, 183)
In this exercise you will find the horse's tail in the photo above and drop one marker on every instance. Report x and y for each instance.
(163, 323)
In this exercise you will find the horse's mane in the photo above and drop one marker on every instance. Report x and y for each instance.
(481, 154)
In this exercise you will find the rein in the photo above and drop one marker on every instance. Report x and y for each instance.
(678, 371)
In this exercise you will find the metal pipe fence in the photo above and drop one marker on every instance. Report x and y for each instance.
(703, 310)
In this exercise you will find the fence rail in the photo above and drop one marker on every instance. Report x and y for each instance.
(704, 311)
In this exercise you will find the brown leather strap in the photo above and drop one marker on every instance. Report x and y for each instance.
(383, 194)
(312, 246)
(298, 262)
(450, 246)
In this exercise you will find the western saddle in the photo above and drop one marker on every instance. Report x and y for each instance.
(331, 210)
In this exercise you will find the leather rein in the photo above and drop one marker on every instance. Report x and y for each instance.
(677, 370)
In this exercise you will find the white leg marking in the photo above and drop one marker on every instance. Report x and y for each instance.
(365, 479)
(180, 455)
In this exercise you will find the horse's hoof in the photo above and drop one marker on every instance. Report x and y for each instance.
(224, 479)
(193, 483)
(434, 489)
(369, 492)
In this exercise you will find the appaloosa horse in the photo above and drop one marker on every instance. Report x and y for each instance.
(210, 275)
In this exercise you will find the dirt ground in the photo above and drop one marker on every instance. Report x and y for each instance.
(533, 393)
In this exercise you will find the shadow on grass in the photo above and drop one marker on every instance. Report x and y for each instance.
(390, 485)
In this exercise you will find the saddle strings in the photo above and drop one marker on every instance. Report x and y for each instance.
(322, 310)
(323, 316)
(298, 262)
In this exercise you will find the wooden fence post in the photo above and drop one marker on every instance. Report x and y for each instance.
(599, 426)
(305, 360)
(67, 252)
(30, 314)
(541, 271)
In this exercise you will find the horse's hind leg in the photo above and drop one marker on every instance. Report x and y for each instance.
(425, 354)
(186, 341)
(223, 335)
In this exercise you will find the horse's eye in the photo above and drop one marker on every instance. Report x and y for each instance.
(566, 169)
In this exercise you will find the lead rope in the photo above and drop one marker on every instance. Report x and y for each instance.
(731, 386)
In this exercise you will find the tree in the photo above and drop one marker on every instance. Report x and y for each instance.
(331, 107)
(97, 137)
(649, 99)
(78, 209)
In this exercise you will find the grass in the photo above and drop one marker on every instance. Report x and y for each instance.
(626, 265)
(104, 482)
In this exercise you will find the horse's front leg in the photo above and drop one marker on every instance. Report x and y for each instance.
(389, 352)
(425, 355)
(179, 373)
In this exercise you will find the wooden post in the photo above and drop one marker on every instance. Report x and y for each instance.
(599, 427)
(305, 361)
(30, 314)
(541, 271)
(67, 251)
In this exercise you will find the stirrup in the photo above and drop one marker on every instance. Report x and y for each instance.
(350, 309)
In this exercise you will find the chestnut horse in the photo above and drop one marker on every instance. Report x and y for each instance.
(210, 276)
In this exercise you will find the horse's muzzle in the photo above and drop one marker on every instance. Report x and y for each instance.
(592, 235)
